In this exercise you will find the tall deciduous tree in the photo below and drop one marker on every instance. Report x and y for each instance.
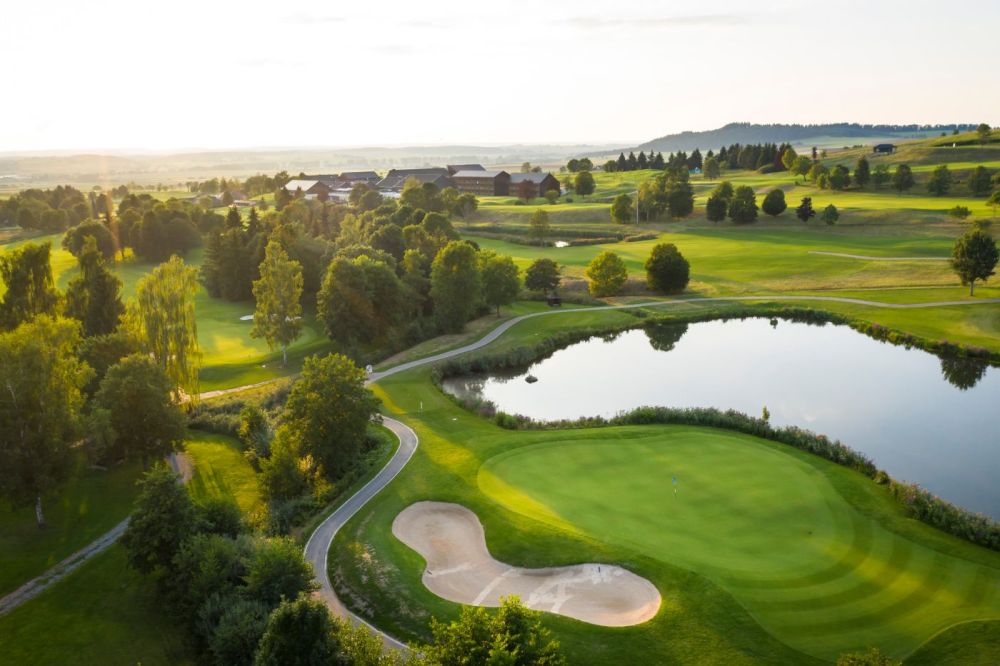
(880, 176)
(667, 271)
(983, 132)
(94, 296)
(940, 181)
(42, 381)
(162, 319)
(788, 158)
(607, 274)
(583, 184)
(974, 257)
(146, 421)
(27, 275)
(455, 285)
(361, 301)
(980, 181)
(622, 211)
(800, 166)
(500, 279)
(300, 632)
(538, 225)
(805, 210)
(902, 178)
(542, 275)
(163, 518)
(278, 315)
(774, 202)
(711, 169)
(513, 636)
(715, 208)
(743, 206)
(327, 412)
(862, 172)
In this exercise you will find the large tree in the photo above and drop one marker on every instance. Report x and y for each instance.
(711, 169)
(455, 285)
(940, 181)
(163, 518)
(743, 206)
(162, 319)
(361, 301)
(983, 132)
(805, 211)
(583, 184)
(30, 291)
(774, 202)
(94, 296)
(136, 394)
(862, 172)
(538, 225)
(667, 271)
(622, 211)
(42, 380)
(980, 181)
(715, 208)
(542, 275)
(974, 257)
(513, 636)
(607, 274)
(500, 278)
(300, 632)
(278, 314)
(75, 238)
(328, 411)
(902, 178)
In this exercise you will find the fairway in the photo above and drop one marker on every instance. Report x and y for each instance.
(761, 523)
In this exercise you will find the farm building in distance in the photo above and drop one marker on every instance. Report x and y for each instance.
(884, 148)
(455, 168)
(533, 185)
(311, 189)
(396, 178)
(482, 182)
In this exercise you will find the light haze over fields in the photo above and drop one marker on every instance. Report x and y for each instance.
(122, 74)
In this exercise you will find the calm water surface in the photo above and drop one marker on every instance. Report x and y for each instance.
(920, 418)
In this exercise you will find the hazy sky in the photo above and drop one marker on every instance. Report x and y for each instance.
(210, 74)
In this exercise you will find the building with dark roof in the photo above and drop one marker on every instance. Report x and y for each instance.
(884, 148)
(352, 178)
(396, 178)
(482, 182)
(311, 189)
(533, 185)
(455, 168)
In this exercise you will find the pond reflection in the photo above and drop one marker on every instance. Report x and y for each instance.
(924, 419)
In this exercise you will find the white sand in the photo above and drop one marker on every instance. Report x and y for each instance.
(459, 568)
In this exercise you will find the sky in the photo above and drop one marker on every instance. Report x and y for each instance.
(122, 75)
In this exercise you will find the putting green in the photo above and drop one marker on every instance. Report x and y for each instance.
(764, 522)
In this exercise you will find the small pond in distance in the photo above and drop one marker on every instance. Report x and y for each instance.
(921, 418)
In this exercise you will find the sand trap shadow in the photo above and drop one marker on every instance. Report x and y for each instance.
(460, 568)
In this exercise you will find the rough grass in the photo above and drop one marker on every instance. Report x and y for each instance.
(221, 470)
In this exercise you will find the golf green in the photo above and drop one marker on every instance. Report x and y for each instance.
(762, 521)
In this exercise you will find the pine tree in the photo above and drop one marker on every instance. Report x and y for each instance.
(94, 296)
(862, 172)
(805, 210)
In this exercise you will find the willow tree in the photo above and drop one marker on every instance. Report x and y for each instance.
(162, 320)
(278, 315)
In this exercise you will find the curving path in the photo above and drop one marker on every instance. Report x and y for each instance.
(318, 547)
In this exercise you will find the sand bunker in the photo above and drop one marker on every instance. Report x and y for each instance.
(459, 568)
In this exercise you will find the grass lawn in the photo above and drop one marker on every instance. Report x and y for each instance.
(766, 554)
(221, 470)
(88, 505)
(104, 613)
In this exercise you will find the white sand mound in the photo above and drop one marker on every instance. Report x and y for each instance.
(459, 568)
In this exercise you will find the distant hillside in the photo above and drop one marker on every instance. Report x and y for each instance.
(828, 135)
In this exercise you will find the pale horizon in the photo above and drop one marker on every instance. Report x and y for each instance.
(117, 77)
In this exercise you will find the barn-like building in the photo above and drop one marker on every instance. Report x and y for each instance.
(482, 182)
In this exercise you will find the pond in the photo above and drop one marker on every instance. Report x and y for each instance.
(921, 418)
